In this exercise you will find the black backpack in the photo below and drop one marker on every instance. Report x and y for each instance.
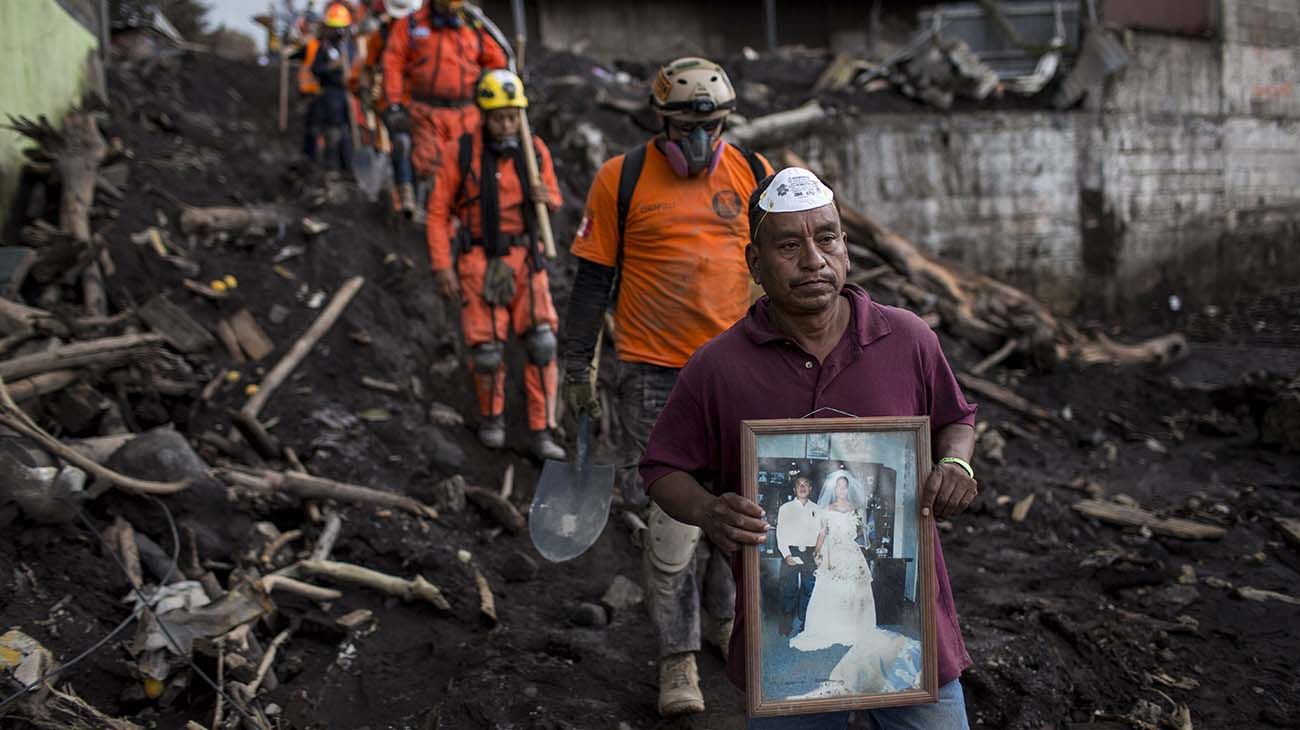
(627, 179)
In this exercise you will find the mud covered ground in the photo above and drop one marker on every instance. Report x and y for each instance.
(1072, 624)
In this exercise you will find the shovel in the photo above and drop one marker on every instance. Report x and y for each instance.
(571, 503)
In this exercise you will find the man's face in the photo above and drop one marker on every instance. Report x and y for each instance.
(502, 124)
(800, 259)
(802, 489)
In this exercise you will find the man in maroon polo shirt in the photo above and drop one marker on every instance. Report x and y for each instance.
(813, 344)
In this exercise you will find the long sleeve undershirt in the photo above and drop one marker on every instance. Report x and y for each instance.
(585, 316)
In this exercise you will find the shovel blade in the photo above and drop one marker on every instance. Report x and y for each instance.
(570, 508)
(371, 170)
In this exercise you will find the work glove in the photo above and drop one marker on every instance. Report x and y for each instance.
(579, 393)
(397, 120)
(499, 283)
(447, 283)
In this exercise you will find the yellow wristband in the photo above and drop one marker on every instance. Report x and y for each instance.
(965, 465)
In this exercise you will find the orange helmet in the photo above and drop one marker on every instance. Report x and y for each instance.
(337, 15)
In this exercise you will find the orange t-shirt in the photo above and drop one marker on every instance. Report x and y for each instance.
(684, 277)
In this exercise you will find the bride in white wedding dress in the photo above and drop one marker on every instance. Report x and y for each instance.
(842, 609)
(841, 597)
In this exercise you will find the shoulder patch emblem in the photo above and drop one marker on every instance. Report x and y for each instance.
(726, 203)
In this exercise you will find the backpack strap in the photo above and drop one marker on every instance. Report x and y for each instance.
(633, 161)
(465, 163)
(755, 163)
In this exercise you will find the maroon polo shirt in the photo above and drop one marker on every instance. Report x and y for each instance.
(888, 363)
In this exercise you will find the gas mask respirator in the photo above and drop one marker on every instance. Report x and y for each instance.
(694, 152)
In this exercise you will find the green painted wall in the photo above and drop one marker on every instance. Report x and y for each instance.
(43, 53)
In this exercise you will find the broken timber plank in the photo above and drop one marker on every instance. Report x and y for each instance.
(230, 341)
(176, 326)
(1117, 514)
(252, 338)
(303, 346)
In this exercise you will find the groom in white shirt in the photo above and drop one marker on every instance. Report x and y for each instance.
(797, 527)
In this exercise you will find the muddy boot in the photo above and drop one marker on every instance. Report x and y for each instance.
(544, 446)
(492, 432)
(679, 685)
(406, 193)
(717, 632)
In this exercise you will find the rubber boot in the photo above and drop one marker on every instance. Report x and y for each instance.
(717, 632)
(544, 446)
(679, 685)
(492, 432)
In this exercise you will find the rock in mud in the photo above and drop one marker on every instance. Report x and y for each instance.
(588, 615)
(622, 594)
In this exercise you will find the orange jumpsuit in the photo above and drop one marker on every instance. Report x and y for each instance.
(454, 195)
(433, 65)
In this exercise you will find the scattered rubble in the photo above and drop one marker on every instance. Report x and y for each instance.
(217, 331)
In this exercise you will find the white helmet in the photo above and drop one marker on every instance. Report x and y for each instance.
(399, 9)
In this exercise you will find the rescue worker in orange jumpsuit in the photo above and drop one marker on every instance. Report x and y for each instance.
(323, 76)
(384, 15)
(494, 265)
(432, 61)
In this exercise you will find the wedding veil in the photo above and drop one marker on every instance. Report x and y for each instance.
(857, 492)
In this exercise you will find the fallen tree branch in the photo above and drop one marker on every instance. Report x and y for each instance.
(416, 588)
(219, 218)
(272, 583)
(264, 666)
(328, 536)
(487, 606)
(14, 417)
(498, 508)
(304, 344)
(1005, 397)
(314, 487)
(102, 352)
(1118, 514)
(273, 547)
(43, 384)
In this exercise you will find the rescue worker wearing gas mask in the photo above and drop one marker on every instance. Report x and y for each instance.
(492, 267)
(663, 240)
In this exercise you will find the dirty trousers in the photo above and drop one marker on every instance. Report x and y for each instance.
(431, 127)
(673, 551)
(482, 322)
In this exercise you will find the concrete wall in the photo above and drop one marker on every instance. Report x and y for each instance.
(996, 191)
(1182, 177)
(43, 52)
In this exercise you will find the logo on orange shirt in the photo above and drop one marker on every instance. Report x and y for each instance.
(726, 203)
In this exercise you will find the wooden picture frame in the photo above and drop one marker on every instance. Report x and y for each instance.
(831, 663)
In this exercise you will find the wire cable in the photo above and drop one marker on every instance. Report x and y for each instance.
(135, 614)
(144, 605)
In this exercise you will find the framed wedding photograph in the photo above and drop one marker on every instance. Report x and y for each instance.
(839, 602)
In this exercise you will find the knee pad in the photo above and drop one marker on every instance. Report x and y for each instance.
(540, 344)
(485, 358)
(670, 545)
